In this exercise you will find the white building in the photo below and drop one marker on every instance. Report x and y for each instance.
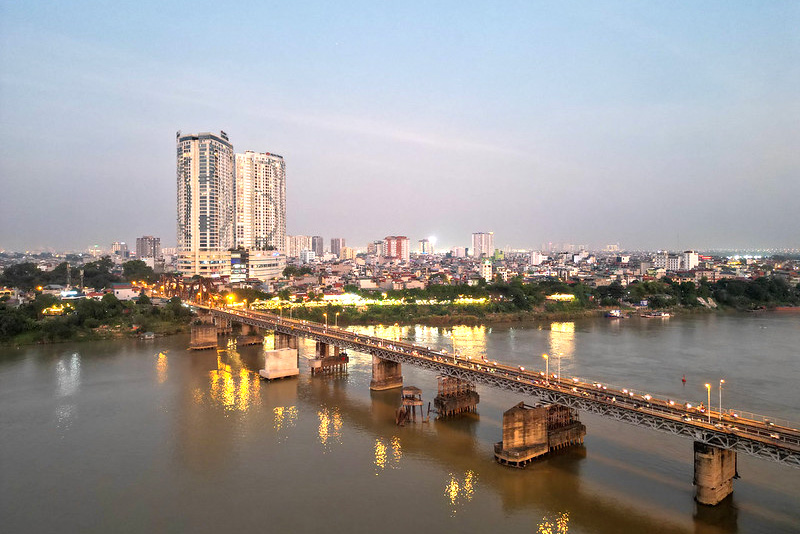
(458, 252)
(482, 244)
(690, 260)
(486, 270)
(537, 258)
(307, 256)
(260, 201)
(265, 265)
(205, 169)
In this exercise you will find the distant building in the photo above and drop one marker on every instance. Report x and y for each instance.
(690, 260)
(375, 248)
(119, 248)
(125, 291)
(347, 253)
(396, 247)
(458, 252)
(206, 196)
(318, 245)
(295, 244)
(537, 258)
(482, 244)
(486, 270)
(260, 201)
(307, 256)
(336, 246)
(425, 246)
(148, 247)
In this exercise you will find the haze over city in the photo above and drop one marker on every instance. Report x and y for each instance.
(655, 126)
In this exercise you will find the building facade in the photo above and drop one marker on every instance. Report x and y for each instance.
(395, 247)
(260, 180)
(206, 216)
(295, 244)
(148, 247)
(318, 245)
(482, 244)
(337, 243)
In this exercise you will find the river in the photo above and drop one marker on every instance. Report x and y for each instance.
(145, 436)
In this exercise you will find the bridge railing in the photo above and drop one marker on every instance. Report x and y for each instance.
(766, 419)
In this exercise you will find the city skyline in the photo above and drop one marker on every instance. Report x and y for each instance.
(655, 127)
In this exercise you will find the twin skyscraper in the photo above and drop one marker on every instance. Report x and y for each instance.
(226, 201)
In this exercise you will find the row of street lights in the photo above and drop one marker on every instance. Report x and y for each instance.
(336, 320)
(708, 386)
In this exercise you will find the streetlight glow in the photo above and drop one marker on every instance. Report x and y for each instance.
(721, 381)
(708, 407)
(547, 367)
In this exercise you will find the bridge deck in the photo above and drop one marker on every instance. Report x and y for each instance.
(757, 438)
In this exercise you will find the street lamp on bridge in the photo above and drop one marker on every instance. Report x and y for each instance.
(547, 367)
(326, 320)
(708, 407)
(721, 381)
(337, 320)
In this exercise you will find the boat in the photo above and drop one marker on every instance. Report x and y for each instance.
(614, 314)
(655, 315)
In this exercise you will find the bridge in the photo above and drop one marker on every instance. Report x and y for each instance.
(714, 433)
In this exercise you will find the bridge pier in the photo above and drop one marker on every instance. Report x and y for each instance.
(533, 431)
(714, 471)
(455, 396)
(204, 336)
(327, 359)
(280, 363)
(385, 374)
(285, 341)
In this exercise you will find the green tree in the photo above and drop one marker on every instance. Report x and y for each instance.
(138, 270)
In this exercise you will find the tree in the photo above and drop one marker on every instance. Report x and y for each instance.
(137, 270)
(24, 276)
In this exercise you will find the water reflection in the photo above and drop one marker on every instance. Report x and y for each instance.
(383, 459)
(330, 426)
(161, 367)
(460, 492)
(562, 341)
(559, 525)
(285, 418)
(68, 375)
(232, 386)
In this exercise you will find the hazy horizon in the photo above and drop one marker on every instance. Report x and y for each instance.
(656, 126)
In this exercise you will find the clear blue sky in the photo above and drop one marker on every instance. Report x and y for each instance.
(653, 124)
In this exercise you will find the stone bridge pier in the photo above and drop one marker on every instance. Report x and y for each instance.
(714, 471)
(285, 341)
(283, 361)
(385, 374)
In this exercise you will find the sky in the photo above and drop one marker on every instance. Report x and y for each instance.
(656, 125)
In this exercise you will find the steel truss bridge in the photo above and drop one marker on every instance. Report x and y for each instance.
(757, 438)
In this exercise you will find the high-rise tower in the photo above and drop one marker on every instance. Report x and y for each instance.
(260, 201)
(205, 203)
(482, 244)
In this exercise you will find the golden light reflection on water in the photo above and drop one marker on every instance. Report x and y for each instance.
(459, 492)
(330, 426)
(560, 525)
(161, 367)
(562, 341)
(285, 418)
(387, 454)
(231, 385)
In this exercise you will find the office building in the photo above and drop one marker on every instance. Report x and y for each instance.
(148, 247)
(119, 248)
(206, 217)
(425, 246)
(690, 260)
(260, 201)
(482, 244)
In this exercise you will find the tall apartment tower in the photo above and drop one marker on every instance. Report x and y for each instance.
(396, 247)
(260, 201)
(206, 215)
(337, 243)
(318, 245)
(482, 244)
(148, 247)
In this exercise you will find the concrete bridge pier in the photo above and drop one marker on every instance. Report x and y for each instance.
(224, 325)
(285, 341)
(385, 374)
(714, 471)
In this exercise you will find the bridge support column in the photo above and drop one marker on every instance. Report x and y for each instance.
(385, 374)
(714, 471)
(285, 341)
(455, 396)
(204, 336)
(280, 363)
